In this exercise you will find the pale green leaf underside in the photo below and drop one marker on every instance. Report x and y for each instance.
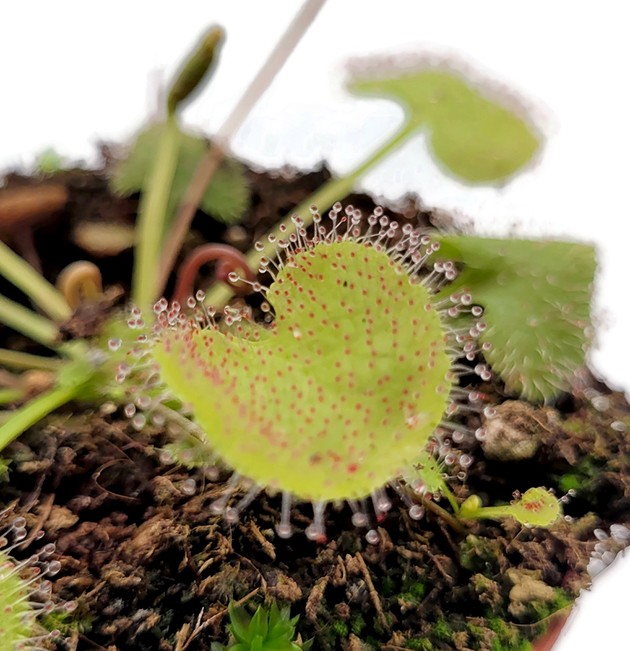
(473, 136)
(342, 396)
(537, 299)
(225, 199)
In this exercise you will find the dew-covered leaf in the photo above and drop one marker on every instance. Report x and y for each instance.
(537, 301)
(537, 507)
(477, 134)
(430, 473)
(339, 396)
(225, 199)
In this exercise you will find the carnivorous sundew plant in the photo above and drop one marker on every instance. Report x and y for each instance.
(336, 393)
(25, 592)
(334, 372)
(475, 134)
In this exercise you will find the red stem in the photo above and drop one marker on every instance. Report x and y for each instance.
(228, 259)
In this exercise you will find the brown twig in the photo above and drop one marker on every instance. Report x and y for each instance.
(372, 591)
(210, 163)
(228, 260)
(445, 515)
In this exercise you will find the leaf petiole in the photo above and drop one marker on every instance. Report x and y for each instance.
(23, 320)
(31, 413)
(19, 360)
(152, 217)
(17, 271)
(323, 198)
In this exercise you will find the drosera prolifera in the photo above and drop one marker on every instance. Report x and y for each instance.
(334, 395)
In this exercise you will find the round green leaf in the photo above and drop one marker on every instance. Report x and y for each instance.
(343, 392)
(475, 133)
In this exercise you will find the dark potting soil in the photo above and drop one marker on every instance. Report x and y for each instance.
(151, 567)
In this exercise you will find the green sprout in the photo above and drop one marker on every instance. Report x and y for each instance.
(266, 630)
(50, 161)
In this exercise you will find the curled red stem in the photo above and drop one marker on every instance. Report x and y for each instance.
(228, 259)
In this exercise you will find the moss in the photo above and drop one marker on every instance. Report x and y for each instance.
(561, 600)
(579, 478)
(420, 644)
(575, 426)
(65, 622)
(379, 629)
(442, 631)
(488, 591)
(507, 638)
(388, 586)
(339, 628)
(357, 625)
(413, 591)
(569, 482)
(522, 645)
(480, 554)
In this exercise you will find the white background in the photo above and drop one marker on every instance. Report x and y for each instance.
(74, 72)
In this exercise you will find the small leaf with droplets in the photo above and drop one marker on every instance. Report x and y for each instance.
(477, 134)
(430, 473)
(537, 507)
(537, 298)
(341, 393)
(225, 199)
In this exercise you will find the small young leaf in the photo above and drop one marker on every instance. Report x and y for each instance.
(536, 296)
(537, 507)
(225, 199)
(470, 507)
(471, 129)
(429, 471)
(195, 69)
